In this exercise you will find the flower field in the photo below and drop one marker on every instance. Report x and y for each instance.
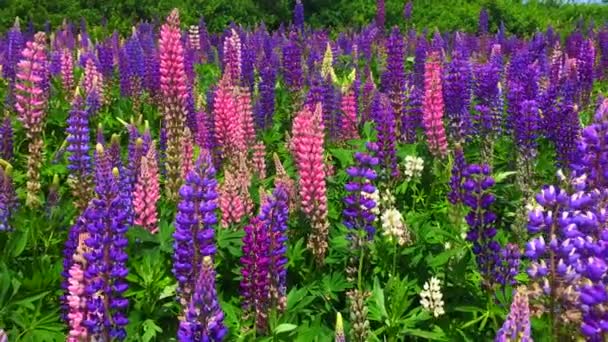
(300, 184)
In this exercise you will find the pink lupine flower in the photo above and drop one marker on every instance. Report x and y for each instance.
(147, 192)
(433, 106)
(31, 102)
(259, 160)
(307, 142)
(349, 118)
(187, 153)
(228, 123)
(245, 111)
(76, 297)
(93, 80)
(230, 201)
(174, 91)
(232, 58)
(203, 135)
(67, 71)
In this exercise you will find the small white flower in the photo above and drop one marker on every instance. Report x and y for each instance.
(375, 196)
(394, 227)
(431, 297)
(413, 167)
(387, 198)
(447, 245)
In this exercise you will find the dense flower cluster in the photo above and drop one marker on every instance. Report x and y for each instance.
(431, 297)
(517, 324)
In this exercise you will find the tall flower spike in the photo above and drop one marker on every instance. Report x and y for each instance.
(517, 325)
(204, 319)
(245, 111)
(307, 142)
(231, 203)
(187, 152)
(147, 192)
(194, 225)
(298, 16)
(6, 138)
(67, 71)
(433, 107)
(106, 271)
(229, 132)
(8, 198)
(31, 105)
(232, 58)
(292, 64)
(174, 89)
(274, 215)
(259, 160)
(79, 161)
(349, 115)
(384, 120)
(76, 297)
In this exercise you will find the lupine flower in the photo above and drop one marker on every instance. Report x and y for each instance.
(457, 87)
(93, 86)
(358, 214)
(194, 38)
(483, 22)
(384, 119)
(6, 139)
(259, 160)
(508, 267)
(394, 227)
(380, 15)
(412, 167)
(194, 225)
(282, 179)
(174, 89)
(8, 201)
(187, 152)
(14, 45)
(292, 64)
(147, 192)
(487, 93)
(204, 319)
(358, 315)
(76, 297)
(348, 106)
(266, 102)
(232, 58)
(298, 16)
(339, 331)
(229, 132)
(407, 11)
(106, 217)
(481, 220)
(245, 111)
(393, 79)
(307, 143)
(255, 285)
(31, 106)
(67, 71)
(231, 202)
(433, 107)
(517, 325)
(431, 297)
(460, 164)
(79, 161)
(586, 61)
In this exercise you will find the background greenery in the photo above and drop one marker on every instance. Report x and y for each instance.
(519, 17)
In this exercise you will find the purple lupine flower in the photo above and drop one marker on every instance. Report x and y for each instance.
(481, 220)
(298, 16)
(194, 223)
(248, 63)
(384, 119)
(203, 36)
(79, 161)
(12, 54)
(526, 129)
(407, 11)
(419, 61)
(393, 79)
(275, 214)
(8, 199)
(358, 213)
(255, 285)
(204, 318)
(457, 86)
(487, 93)
(517, 325)
(331, 116)
(106, 59)
(522, 85)
(266, 104)
(6, 139)
(412, 117)
(592, 150)
(135, 58)
(460, 164)
(483, 22)
(586, 65)
(380, 15)
(292, 64)
(106, 258)
(602, 41)
(151, 80)
(508, 267)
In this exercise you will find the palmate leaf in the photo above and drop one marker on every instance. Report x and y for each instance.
(150, 330)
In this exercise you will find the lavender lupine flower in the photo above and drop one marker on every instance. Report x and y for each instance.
(380, 15)
(455, 195)
(407, 11)
(194, 224)
(358, 214)
(419, 62)
(331, 116)
(8, 201)
(393, 79)
(586, 64)
(602, 40)
(151, 81)
(457, 86)
(106, 258)
(6, 139)
(292, 64)
(483, 22)
(384, 119)
(106, 60)
(79, 161)
(12, 52)
(517, 325)
(412, 116)
(298, 16)
(274, 214)
(487, 95)
(266, 103)
(526, 129)
(522, 85)
(135, 59)
(204, 319)
(481, 220)
(508, 267)
(255, 285)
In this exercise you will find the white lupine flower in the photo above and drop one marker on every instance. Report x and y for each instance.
(393, 226)
(413, 167)
(387, 198)
(431, 298)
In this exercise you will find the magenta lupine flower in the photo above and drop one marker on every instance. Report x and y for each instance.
(67, 71)
(31, 102)
(229, 132)
(348, 106)
(174, 90)
(255, 285)
(147, 192)
(433, 107)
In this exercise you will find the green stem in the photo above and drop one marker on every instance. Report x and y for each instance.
(360, 271)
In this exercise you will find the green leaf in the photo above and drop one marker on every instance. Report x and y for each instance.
(285, 327)
(18, 242)
(437, 334)
(150, 330)
(499, 177)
